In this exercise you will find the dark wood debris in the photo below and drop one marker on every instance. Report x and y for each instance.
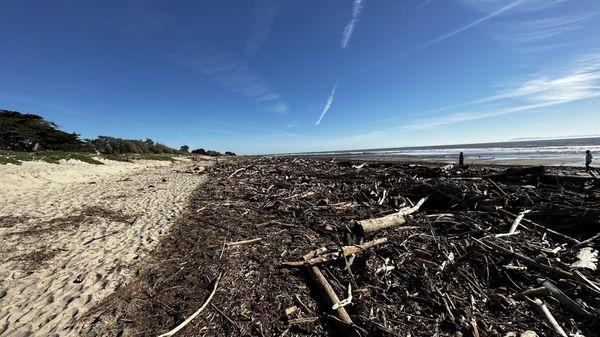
(445, 272)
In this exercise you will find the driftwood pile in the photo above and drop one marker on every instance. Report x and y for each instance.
(305, 247)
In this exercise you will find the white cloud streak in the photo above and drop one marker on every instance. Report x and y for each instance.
(454, 32)
(525, 34)
(422, 4)
(581, 81)
(490, 6)
(357, 7)
(327, 105)
(234, 75)
(543, 29)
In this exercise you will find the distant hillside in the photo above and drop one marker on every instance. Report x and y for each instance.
(20, 132)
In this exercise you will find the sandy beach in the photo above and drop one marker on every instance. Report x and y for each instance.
(70, 234)
(134, 249)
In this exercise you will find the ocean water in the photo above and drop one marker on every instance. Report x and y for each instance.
(556, 151)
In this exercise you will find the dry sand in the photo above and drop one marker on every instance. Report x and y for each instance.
(70, 234)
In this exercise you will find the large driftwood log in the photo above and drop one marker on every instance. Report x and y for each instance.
(518, 173)
(564, 178)
(392, 220)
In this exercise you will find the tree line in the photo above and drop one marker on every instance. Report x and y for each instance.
(29, 132)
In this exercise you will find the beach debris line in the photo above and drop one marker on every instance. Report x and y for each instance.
(442, 270)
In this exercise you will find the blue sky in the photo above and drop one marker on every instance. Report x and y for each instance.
(268, 76)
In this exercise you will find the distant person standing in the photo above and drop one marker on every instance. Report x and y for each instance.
(461, 159)
(588, 160)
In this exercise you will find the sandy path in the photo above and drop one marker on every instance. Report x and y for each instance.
(69, 234)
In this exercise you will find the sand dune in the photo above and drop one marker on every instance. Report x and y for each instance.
(70, 233)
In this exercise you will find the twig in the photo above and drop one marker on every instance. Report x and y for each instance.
(225, 316)
(527, 260)
(564, 299)
(303, 306)
(498, 187)
(545, 229)
(302, 320)
(550, 289)
(109, 234)
(591, 285)
(544, 310)
(585, 242)
(513, 228)
(243, 242)
(236, 172)
(189, 319)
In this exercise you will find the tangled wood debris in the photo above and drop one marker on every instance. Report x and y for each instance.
(341, 248)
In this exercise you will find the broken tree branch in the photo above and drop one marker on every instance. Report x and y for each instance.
(344, 251)
(513, 228)
(539, 304)
(392, 220)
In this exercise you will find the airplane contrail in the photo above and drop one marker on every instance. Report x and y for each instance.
(451, 34)
(327, 105)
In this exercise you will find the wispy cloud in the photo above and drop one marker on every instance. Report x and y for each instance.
(524, 33)
(543, 29)
(327, 104)
(233, 74)
(578, 82)
(264, 14)
(490, 6)
(139, 18)
(457, 31)
(357, 7)
(535, 36)
(459, 117)
(422, 4)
